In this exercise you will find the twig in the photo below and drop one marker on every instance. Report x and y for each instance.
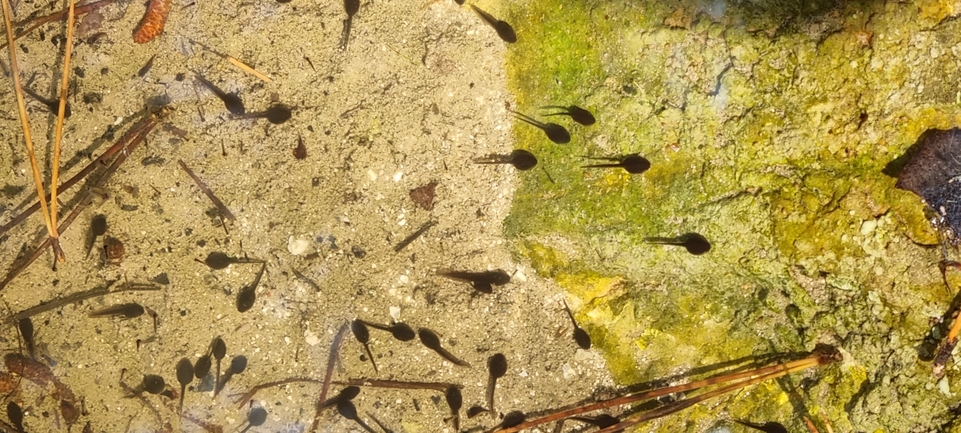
(25, 123)
(58, 132)
(39, 21)
(768, 372)
(250, 394)
(140, 129)
(87, 197)
(243, 66)
(404, 243)
(397, 384)
(334, 349)
(210, 194)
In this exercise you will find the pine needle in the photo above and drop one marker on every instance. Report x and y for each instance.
(25, 123)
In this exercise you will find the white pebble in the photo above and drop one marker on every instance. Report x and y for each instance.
(297, 246)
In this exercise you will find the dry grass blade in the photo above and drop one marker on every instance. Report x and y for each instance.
(61, 112)
(25, 123)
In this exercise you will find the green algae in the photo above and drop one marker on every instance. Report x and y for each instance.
(768, 127)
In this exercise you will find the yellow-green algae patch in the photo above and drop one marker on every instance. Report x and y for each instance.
(771, 127)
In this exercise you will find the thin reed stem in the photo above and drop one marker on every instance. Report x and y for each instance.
(58, 133)
(21, 104)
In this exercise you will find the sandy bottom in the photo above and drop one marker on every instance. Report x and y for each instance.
(417, 94)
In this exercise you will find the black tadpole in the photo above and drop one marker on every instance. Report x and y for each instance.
(15, 414)
(219, 349)
(768, 427)
(692, 242)
(237, 365)
(497, 366)
(351, 7)
(152, 384)
(556, 133)
(52, 104)
(576, 114)
(219, 260)
(481, 281)
(504, 30)
(276, 114)
(455, 401)
(633, 164)
(247, 295)
(25, 326)
(185, 375)
(231, 100)
(363, 336)
(347, 410)
(400, 331)
(513, 419)
(519, 158)
(432, 341)
(345, 394)
(255, 418)
(580, 335)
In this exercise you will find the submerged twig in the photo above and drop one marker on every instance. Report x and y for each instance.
(746, 378)
(404, 243)
(334, 349)
(397, 384)
(206, 190)
(253, 391)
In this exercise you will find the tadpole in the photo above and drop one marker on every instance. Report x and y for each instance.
(351, 7)
(52, 104)
(576, 114)
(580, 335)
(202, 366)
(497, 366)
(248, 294)
(768, 427)
(633, 164)
(15, 414)
(432, 342)
(219, 349)
(400, 331)
(152, 383)
(481, 281)
(127, 311)
(231, 100)
(25, 325)
(237, 365)
(600, 421)
(219, 260)
(345, 394)
(694, 243)
(556, 133)
(347, 410)
(513, 419)
(519, 158)
(255, 418)
(363, 336)
(185, 374)
(276, 114)
(455, 401)
(504, 30)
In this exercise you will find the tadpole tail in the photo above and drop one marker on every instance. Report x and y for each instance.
(345, 36)
(602, 166)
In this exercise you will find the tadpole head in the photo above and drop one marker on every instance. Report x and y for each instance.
(497, 365)
(219, 348)
(402, 331)
(153, 384)
(217, 260)
(238, 364)
(185, 372)
(360, 331)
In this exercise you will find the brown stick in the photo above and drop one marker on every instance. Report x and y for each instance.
(84, 201)
(397, 384)
(37, 22)
(334, 349)
(210, 194)
(143, 127)
(250, 394)
(633, 398)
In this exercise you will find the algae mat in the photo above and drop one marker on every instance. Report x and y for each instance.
(769, 127)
